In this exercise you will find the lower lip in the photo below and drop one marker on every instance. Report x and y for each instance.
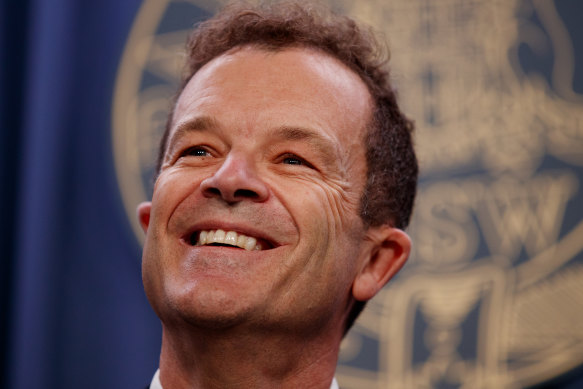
(226, 262)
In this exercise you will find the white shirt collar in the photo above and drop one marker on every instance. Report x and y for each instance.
(334, 384)
(156, 384)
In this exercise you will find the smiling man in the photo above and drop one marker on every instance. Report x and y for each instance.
(286, 176)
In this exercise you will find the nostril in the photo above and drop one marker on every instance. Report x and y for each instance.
(214, 191)
(245, 193)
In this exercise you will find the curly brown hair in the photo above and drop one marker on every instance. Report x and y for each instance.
(391, 162)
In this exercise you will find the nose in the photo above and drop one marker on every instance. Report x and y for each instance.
(236, 180)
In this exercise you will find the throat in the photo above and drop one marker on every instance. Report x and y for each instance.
(274, 364)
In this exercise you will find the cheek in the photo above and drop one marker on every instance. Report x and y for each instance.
(345, 229)
(328, 212)
(330, 240)
(171, 188)
(340, 203)
(307, 201)
(345, 202)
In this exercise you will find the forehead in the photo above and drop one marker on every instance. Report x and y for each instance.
(292, 87)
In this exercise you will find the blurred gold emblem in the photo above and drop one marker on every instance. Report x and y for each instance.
(493, 294)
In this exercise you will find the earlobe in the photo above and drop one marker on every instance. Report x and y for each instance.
(388, 251)
(143, 212)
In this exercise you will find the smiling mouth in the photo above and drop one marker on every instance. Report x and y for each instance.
(228, 239)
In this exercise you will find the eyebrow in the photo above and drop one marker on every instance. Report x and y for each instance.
(287, 133)
(199, 124)
(322, 144)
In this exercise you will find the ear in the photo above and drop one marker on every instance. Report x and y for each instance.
(386, 251)
(143, 212)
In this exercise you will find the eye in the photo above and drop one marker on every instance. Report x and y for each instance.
(196, 151)
(292, 159)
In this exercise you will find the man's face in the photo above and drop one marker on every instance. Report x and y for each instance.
(269, 146)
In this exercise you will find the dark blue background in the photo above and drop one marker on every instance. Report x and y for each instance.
(72, 310)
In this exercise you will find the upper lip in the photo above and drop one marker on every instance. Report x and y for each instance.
(231, 226)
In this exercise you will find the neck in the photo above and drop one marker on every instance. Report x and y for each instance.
(202, 358)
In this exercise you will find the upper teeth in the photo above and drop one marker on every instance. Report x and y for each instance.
(230, 237)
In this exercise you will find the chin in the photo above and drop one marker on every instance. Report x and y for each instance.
(205, 307)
